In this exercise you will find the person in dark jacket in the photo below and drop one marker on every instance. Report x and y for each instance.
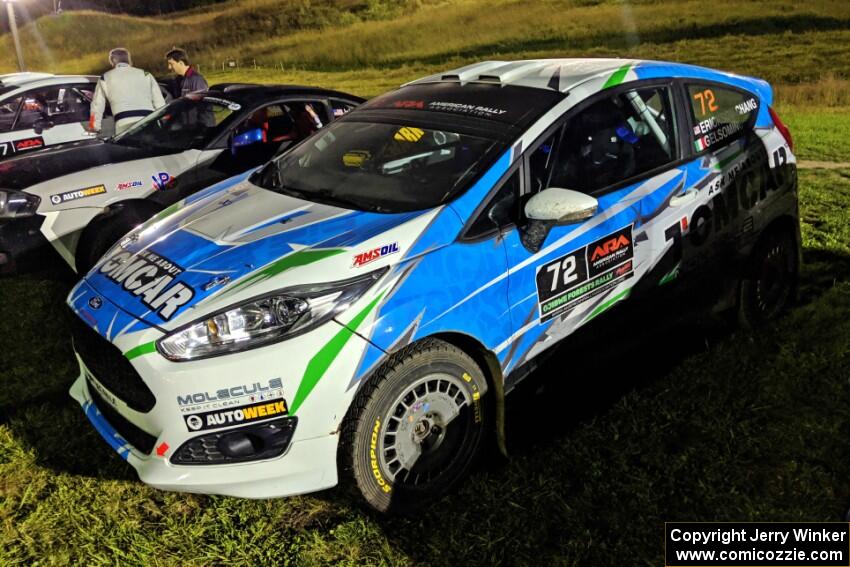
(190, 80)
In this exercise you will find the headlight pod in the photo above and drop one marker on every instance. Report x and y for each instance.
(14, 204)
(264, 320)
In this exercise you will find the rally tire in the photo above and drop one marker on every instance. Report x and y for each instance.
(101, 234)
(770, 284)
(432, 374)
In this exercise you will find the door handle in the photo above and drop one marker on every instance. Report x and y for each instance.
(684, 199)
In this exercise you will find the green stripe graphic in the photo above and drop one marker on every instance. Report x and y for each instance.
(617, 77)
(146, 348)
(320, 363)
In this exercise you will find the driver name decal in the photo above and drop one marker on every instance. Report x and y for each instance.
(593, 269)
(150, 277)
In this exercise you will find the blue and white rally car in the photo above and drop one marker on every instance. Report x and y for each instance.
(362, 303)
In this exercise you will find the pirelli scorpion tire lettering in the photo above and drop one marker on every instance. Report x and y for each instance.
(415, 430)
(770, 284)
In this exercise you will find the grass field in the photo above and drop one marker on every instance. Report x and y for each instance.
(686, 422)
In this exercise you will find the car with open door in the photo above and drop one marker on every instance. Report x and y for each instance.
(79, 198)
(358, 307)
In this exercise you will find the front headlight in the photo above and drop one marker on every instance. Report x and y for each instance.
(14, 204)
(264, 320)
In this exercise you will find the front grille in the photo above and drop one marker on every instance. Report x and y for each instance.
(110, 367)
(141, 440)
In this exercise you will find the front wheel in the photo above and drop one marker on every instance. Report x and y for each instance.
(770, 284)
(101, 234)
(414, 431)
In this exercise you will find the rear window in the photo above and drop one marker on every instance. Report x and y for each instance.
(720, 114)
(516, 106)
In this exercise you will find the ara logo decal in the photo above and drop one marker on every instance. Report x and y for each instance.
(610, 251)
(366, 257)
(95, 302)
(128, 185)
(162, 180)
(29, 144)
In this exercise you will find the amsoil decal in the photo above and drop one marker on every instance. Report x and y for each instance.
(69, 196)
(372, 255)
(235, 416)
(149, 277)
(564, 283)
(128, 185)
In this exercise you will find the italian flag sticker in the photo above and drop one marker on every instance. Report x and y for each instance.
(700, 144)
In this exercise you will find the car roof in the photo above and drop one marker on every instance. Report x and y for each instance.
(27, 80)
(565, 74)
(247, 93)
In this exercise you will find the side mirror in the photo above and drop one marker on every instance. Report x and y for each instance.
(560, 206)
(551, 207)
(251, 137)
(42, 125)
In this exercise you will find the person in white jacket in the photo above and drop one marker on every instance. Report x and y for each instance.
(132, 93)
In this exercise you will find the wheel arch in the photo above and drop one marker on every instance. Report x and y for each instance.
(109, 212)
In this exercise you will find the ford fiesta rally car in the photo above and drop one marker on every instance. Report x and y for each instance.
(363, 302)
(82, 197)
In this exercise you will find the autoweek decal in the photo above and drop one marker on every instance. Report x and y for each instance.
(69, 196)
(235, 416)
(149, 277)
(564, 283)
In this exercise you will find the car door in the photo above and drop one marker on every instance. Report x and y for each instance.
(622, 148)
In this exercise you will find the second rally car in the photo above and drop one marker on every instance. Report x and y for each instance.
(81, 197)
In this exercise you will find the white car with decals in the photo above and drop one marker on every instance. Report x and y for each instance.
(360, 305)
(80, 198)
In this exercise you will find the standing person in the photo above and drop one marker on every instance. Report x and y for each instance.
(190, 80)
(131, 93)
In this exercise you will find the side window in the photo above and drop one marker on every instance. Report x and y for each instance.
(283, 122)
(502, 209)
(340, 107)
(614, 139)
(719, 114)
(64, 104)
(8, 111)
(307, 116)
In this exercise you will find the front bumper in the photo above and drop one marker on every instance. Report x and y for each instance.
(119, 365)
(300, 470)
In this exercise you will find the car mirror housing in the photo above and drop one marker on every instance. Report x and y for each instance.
(560, 206)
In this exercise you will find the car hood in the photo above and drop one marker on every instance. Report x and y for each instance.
(63, 159)
(230, 244)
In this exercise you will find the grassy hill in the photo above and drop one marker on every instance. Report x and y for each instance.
(370, 46)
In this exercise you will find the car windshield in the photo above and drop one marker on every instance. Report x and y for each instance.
(381, 167)
(187, 123)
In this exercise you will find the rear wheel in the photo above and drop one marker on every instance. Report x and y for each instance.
(415, 430)
(771, 281)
